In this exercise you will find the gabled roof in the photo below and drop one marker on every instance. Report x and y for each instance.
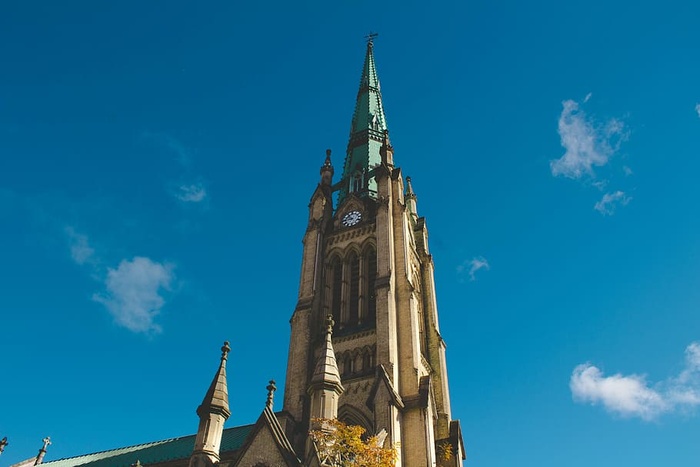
(150, 453)
(269, 420)
(383, 379)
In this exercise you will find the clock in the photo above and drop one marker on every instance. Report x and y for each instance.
(352, 218)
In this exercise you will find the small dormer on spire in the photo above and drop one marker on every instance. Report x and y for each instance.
(213, 413)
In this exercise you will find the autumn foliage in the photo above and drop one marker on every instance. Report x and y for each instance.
(341, 445)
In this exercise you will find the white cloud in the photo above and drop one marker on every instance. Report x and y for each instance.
(632, 396)
(697, 109)
(586, 144)
(133, 293)
(625, 395)
(607, 204)
(471, 266)
(194, 193)
(80, 250)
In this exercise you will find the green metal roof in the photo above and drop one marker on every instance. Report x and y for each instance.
(367, 131)
(150, 453)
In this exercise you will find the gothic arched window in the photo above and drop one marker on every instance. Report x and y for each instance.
(336, 286)
(354, 295)
(369, 293)
(366, 361)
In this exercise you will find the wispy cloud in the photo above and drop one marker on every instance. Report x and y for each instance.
(80, 249)
(133, 293)
(194, 193)
(164, 140)
(607, 204)
(633, 396)
(697, 109)
(586, 144)
(470, 267)
(187, 187)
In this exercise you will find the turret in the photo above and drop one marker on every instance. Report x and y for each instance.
(411, 199)
(325, 387)
(213, 413)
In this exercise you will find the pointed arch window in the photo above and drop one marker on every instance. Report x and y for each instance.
(369, 292)
(336, 271)
(354, 292)
(350, 289)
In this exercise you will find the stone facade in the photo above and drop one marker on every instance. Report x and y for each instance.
(366, 262)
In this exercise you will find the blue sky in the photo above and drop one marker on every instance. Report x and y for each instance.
(156, 162)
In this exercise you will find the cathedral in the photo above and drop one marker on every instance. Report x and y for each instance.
(365, 344)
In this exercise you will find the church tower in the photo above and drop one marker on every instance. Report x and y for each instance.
(366, 263)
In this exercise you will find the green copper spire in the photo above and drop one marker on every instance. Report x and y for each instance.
(367, 132)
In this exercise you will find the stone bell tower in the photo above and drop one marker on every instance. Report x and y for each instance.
(366, 262)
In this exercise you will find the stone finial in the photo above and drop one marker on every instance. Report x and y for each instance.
(329, 324)
(271, 388)
(387, 150)
(42, 451)
(137, 464)
(409, 187)
(225, 349)
(327, 170)
(3, 443)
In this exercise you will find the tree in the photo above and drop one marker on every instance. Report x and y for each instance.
(341, 445)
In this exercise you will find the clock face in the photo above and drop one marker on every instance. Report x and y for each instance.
(352, 218)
